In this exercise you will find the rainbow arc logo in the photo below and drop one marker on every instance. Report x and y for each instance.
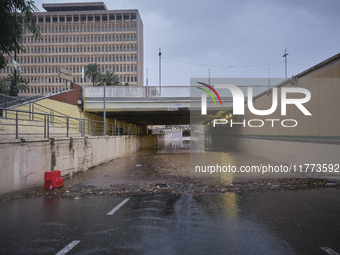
(209, 93)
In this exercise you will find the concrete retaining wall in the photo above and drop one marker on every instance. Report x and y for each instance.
(23, 163)
(288, 151)
(316, 138)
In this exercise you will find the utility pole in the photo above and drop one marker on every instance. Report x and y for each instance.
(285, 56)
(160, 70)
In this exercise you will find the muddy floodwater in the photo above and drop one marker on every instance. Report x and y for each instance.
(178, 167)
(171, 167)
(172, 161)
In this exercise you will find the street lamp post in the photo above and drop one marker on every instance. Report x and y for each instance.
(160, 71)
(13, 89)
(104, 131)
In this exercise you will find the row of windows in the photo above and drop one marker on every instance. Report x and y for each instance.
(85, 29)
(78, 70)
(75, 79)
(82, 39)
(36, 90)
(81, 49)
(117, 69)
(88, 17)
(89, 59)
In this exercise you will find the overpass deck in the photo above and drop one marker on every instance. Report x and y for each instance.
(166, 105)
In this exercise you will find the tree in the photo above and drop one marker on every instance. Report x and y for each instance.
(91, 71)
(111, 79)
(3, 88)
(7, 83)
(15, 17)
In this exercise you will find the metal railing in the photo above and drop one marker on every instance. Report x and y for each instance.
(9, 101)
(161, 92)
(25, 124)
(38, 108)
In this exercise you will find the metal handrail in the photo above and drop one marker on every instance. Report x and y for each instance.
(160, 91)
(21, 124)
(8, 101)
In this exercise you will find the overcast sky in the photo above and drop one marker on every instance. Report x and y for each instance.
(234, 38)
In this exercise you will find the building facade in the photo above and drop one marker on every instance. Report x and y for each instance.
(76, 34)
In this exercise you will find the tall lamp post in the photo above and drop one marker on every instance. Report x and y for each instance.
(104, 130)
(13, 89)
(160, 70)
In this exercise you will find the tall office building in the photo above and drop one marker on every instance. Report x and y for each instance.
(76, 34)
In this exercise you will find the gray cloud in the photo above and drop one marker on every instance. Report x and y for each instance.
(228, 33)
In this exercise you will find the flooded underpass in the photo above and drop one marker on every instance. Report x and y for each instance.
(184, 166)
(151, 202)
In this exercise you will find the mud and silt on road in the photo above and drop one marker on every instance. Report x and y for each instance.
(151, 172)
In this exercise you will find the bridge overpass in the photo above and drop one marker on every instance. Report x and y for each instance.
(154, 105)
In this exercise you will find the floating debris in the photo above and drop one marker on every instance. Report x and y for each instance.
(180, 186)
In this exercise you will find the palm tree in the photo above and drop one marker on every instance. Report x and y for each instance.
(110, 77)
(3, 87)
(8, 82)
(92, 70)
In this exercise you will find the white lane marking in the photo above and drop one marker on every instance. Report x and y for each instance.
(68, 247)
(329, 251)
(118, 206)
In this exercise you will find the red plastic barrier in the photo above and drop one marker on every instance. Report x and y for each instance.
(53, 180)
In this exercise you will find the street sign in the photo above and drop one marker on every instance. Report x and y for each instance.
(65, 74)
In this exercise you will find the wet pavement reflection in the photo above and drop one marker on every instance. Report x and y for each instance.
(167, 222)
(174, 160)
(281, 222)
(168, 163)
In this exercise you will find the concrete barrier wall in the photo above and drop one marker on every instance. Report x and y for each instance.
(289, 152)
(316, 138)
(24, 162)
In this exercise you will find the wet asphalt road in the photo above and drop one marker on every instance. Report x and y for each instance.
(274, 222)
(249, 222)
